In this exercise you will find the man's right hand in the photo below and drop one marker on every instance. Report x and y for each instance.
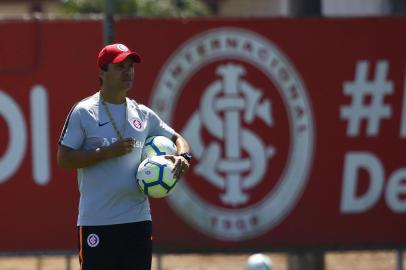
(69, 158)
(121, 147)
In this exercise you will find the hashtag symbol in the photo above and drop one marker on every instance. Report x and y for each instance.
(360, 90)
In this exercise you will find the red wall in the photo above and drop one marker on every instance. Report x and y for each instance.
(335, 186)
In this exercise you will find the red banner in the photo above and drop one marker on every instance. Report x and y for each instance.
(296, 127)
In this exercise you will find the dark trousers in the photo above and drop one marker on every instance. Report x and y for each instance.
(116, 247)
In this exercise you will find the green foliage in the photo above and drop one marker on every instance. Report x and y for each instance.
(143, 8)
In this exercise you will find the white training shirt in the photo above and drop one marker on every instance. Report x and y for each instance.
(108, 190)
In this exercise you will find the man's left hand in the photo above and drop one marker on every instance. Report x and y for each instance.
(181, 165)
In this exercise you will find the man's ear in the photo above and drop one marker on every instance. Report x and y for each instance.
(101, 74)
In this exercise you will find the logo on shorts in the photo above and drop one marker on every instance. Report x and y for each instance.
(250, 126)
(93, 240)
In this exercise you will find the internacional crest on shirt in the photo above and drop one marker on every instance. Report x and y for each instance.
(137, 124)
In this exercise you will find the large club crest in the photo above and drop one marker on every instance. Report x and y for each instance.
(239, 102)
(250, 130)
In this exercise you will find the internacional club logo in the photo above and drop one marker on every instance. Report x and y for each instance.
(250, 126)
(93, 240)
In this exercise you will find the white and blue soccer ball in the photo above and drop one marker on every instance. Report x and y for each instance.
(158, 146)
(259, 262)
(155, 178)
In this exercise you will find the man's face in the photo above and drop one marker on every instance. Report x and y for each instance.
(120, 76)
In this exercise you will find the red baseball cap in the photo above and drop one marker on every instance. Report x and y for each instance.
(115, 53)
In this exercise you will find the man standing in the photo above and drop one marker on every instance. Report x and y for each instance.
(103, 138)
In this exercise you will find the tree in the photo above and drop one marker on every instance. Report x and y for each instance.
(141, 8)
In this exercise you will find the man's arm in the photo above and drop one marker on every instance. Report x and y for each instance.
(69, 158)
(182, 145)
(181, 164)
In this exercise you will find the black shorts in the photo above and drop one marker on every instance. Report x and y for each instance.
(116, 247)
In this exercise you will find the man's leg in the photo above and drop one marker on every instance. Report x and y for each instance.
(137, 254)
(97, 248)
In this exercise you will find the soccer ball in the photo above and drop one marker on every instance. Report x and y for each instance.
(259, 262)
(158, 146)
(155, 178)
